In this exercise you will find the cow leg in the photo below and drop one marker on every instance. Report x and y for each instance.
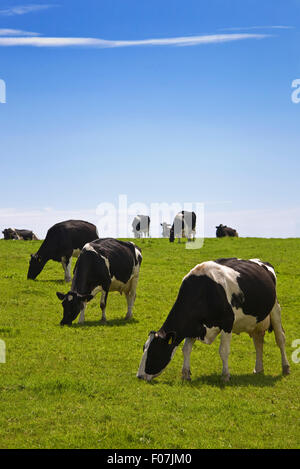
(69, 270)
(103, 301)
(82, 311)
(130, 297)
(258, 340)
(186, 350)
(280, 336)
(66, 263)
(224, 351)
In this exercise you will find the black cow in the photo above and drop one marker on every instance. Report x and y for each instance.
(223, 230)
(14, 233)
(141, 226)
(184, 226)
(222, 296)
(103, 265)
(63, 240)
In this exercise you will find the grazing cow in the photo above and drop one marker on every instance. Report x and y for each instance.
(13, 233)
(103, 265)
(140, 226)
(166, 227)
(222, 296)
(63, 240)
(223, 230)
(184, 226)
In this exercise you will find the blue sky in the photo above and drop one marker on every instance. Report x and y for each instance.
(202, 112)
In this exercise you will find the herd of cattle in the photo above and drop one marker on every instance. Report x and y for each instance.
(224, 296)
(183, 226)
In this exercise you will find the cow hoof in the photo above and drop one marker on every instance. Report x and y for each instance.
(286, 370)
(103, 321)
(258, 372)
(128, 316)
(67, 280)
(225, 378)
(186, 375)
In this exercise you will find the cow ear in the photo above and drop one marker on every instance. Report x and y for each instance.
(170, 337)
(60, 296)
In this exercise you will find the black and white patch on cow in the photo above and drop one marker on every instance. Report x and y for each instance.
(184, 226)
(223, 297)
(222, 231)
(141, 226)
(104, 265)
(166, 228)
(17, 234)
(63, 241)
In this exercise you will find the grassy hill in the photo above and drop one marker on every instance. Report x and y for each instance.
(76, 387)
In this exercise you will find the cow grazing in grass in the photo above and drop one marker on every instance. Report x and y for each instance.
(223, 230)
(63, 240)
(141, 226)
(166, 227)
(103, 265)
(218, 297)
(184, 226)
(14, 233)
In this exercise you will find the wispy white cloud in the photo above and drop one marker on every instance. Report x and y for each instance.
(102, 43)
(252, 28)
(23, 9)
(16, 32)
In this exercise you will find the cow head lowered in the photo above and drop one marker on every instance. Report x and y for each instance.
(72, 304)
(36, 265)
(158, 352)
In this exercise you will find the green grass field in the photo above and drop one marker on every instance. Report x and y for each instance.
(76, 387)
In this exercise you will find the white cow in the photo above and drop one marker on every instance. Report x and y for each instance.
(166, 227)
(141, 226)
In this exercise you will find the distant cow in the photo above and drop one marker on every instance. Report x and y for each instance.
(223, 230)
(184, 226)
(14, 233)
(166, 227)
(141, 226)
(62, 241)
(103, 265)
(222, 296)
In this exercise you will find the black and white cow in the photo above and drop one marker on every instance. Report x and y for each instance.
(218, 297)
(103, 265)
(223, 230)
(141, 226)
(184, 226)
(63, 240)
(166, 228)
(14, 233)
